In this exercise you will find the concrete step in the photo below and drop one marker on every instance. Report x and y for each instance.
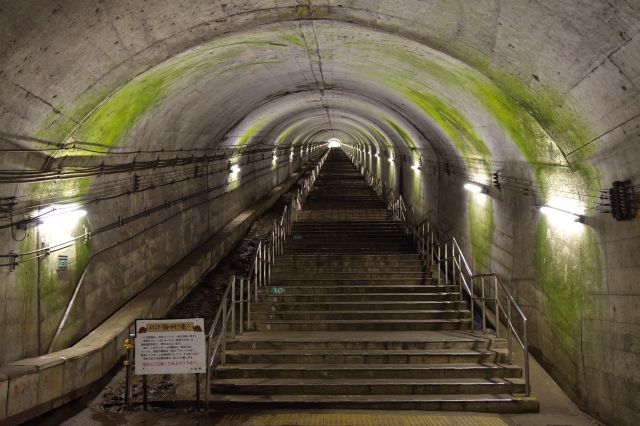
(367, 371)
(357, 297)
(294, 269)
(366, 306)
(329, 244)
(264, 315)
(342, 215)
(349, 250)
(364, 325)
(347, 235)
(320, 262)
(391, 340)
(304, 275)
(368, 386)
(404, 357)
(493, 403)
(351, 226)
(335, 287)
(352, 257)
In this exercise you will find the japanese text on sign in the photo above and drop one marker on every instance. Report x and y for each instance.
(170, 346)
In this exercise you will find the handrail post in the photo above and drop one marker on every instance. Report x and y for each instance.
(223, 354)
(270, 262)
(473, 302)
(509, 331)
(484, 308)
(257, 263)
(438, 266)
(461, 270)
(446, 263)
(241, 317)
(233, 306)
(496, 305)
(526, 359)
(249, 285)
(208, 373)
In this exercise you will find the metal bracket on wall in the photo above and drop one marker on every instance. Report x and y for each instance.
(621, 197)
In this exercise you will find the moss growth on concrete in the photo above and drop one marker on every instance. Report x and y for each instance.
(567, 265)
(249, 134)
(113, 119)
(481, 229)
(403, 134)
(294, 39)
(452, 122)
(27, 272)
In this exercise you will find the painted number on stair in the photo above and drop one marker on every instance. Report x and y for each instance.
(278, 290)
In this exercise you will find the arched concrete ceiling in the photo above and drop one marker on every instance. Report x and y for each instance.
(488, 81)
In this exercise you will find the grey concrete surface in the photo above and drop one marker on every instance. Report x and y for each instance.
(543, 93)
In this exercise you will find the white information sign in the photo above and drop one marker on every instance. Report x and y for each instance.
(170, 346)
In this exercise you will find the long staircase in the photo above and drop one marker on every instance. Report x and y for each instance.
(352, 320)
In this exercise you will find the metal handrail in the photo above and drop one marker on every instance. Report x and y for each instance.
(452, 268)
(237, 304)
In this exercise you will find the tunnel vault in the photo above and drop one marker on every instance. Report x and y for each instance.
(120, 108)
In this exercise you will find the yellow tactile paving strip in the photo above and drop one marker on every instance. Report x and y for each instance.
(310, 419)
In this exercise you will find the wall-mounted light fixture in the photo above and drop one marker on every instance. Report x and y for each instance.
(476, 188)
(418, 165)
(234, 169)
(561, 215)
(60, 216)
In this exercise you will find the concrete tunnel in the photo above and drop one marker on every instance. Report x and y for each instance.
(133, 132)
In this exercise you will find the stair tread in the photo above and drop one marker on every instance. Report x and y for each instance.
(414, 311)
(364, 336)
(339, 321)
(323, 367)
(368, 381)
(347, 258)
(250, 352)
(369, 397)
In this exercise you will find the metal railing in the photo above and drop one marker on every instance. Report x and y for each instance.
(484, 292)
(234, 312)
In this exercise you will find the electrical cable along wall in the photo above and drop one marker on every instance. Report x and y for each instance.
(139, 204)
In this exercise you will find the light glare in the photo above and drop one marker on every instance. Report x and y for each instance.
(560, 215)
(474, 187)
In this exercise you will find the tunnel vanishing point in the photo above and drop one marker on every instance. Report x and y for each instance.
(140, 139)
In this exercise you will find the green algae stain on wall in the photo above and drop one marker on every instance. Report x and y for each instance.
(111, 121)
(403, 134)
(567, 264)
(249, 134)
(294, 39)
(481, 229)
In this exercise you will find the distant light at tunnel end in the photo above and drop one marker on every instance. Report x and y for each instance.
(334, 143)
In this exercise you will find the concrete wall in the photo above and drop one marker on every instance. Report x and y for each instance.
(121, 262)
(31, 386)
(547, 94)
(580, 328)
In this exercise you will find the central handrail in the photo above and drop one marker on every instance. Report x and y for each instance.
(235, 303)
(452, 268)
